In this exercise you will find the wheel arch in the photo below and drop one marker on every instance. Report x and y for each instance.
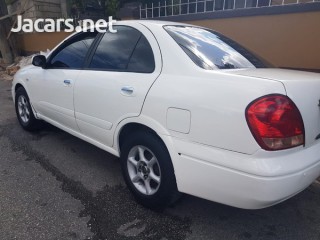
(21, 84)
(17, 86)
(129, 128)
(141, 123)
(149, 124)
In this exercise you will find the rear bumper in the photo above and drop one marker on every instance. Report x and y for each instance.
(233, 185)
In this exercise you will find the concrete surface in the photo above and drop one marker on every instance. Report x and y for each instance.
(54, 186)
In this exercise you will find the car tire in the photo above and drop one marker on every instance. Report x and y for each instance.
(148, 170)
(24, 111)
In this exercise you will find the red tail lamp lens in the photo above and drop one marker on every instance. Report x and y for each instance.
(275, 122)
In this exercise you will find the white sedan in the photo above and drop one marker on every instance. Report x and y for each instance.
(186, 109)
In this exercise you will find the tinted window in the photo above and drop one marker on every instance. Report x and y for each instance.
(211, 50)
(115, 49)
(142, 59)
(73, 55)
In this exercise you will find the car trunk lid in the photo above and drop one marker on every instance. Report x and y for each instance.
(304, 90)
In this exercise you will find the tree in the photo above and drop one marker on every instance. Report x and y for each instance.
(112, 7)
(8, 47)
(4, 44)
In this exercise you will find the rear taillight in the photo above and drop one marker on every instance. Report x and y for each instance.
(275, 122)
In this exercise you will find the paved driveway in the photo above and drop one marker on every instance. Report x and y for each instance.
(55, 186)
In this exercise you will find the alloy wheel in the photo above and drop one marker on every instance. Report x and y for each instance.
(144, 170)
(23, 109)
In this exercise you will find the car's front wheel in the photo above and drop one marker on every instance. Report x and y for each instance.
(148, 170)
(24, 111)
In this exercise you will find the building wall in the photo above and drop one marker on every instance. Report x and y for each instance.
(48, 9)
(36, 42)
(40, 8)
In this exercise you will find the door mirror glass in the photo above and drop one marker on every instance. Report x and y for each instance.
(39, 61)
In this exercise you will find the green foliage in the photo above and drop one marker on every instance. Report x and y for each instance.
(8, 2)
(175, 8)
(79, 3)
(149, 2)
(112, 7)
(139, 1)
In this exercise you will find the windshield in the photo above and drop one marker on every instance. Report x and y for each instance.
(211, 50)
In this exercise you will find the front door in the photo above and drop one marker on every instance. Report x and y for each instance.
(54, 85)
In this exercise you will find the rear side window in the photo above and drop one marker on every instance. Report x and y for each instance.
(126, 50)
(72, 54)
(142, 59)
(211, 50)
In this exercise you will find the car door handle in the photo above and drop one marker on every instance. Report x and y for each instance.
(67, 82)
(127, 90)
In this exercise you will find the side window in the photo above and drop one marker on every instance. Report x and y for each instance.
(115, 49)
(142, 59)
(73, 54)
(126, 50)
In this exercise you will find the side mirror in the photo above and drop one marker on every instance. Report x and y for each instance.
(39, 61)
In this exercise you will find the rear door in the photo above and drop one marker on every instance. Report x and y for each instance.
(116, 80)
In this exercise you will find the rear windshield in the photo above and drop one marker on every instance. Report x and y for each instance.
(211, 50)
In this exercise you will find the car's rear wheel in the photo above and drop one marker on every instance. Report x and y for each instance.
(24, 111)
(148, 170)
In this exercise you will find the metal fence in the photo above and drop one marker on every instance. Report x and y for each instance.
(184, 7)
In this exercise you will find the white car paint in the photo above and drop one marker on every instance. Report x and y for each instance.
(96, 90)
(51, 81)
(199, 114)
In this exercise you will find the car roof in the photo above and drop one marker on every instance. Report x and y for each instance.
(153, 22)
(150, 23)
